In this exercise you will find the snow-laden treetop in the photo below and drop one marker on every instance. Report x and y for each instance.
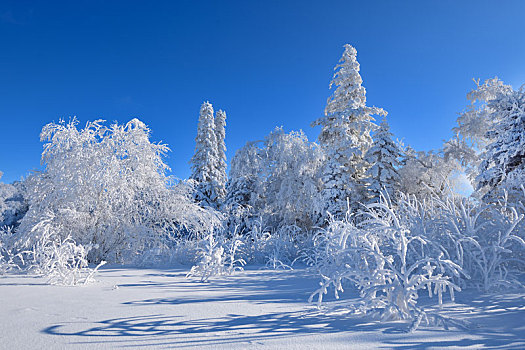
(349, 94)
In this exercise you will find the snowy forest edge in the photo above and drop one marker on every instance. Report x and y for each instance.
(358, 207)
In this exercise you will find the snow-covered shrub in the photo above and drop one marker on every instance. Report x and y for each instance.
(218, 257)
(65, 263)
(60, 260)
(386, 261)
(255, 242)
(276, 249)
(484, 239)
(283, 247)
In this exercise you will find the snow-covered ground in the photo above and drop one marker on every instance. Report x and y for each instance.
(257, 308)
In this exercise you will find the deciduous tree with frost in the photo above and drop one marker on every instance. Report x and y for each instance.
(471, 134)
(425, 173)
(282, 172)
(13, 204)
(503, 165)
(289, 178)
(107, 187)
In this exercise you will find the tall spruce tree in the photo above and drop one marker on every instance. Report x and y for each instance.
(345, 138)
(220, 135)
(205, 159)
(384, 160)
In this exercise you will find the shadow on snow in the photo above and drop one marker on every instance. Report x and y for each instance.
(499, 318)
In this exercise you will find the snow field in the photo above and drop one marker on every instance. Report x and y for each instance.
(257, 308)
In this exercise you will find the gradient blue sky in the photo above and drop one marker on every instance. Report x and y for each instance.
(267, 63)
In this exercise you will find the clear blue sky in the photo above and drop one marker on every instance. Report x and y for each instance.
(267, 63)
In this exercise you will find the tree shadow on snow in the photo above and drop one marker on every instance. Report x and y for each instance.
(259, 286)
(499, 318)
(499, 322)
(171, 331)
(161, 330)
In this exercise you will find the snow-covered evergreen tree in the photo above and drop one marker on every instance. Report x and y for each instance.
(384, 159)
(220, 135)
(205, 159)
(345, 138)
(503, 165)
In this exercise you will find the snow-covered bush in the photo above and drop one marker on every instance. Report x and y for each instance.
(65, 263)
(277, 248)
(484, 239)
(392, 253)
(218, 257)
(386, 261)
(60, 260)
(283, 246)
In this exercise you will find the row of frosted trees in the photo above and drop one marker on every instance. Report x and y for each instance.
(364, 210)
(356, 159)
(287, 180)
